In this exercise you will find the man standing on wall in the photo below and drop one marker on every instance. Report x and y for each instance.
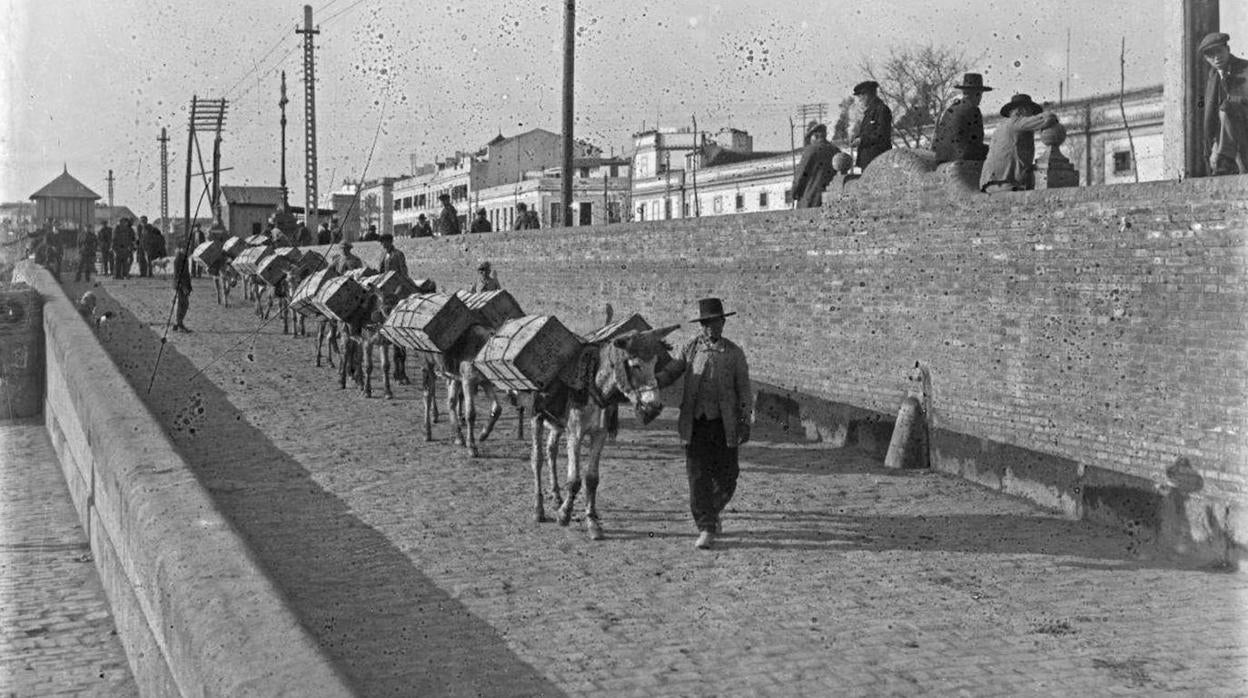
(448, 219)
(816, 171)
(715, 415)
(481, 224)
(1011, 163)
(392, 259)
(874, 134)
(960, 131)
(422, 229)
(1226, 106)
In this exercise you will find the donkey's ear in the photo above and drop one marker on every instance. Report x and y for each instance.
(664, 331)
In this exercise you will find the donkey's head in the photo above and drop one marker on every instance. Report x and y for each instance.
(634, 358)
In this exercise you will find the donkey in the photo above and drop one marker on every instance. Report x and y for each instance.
(463, 379)
(225, 280)
(608, 374)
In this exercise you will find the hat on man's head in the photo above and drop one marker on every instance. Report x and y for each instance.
(1021, 100)
(973, 81)
(1213, 40)
(345, 245)
(815, 127)
(711, 309)
(484, 266)
(384, 237)
(866, 87)
(444, 197)
(421, 216)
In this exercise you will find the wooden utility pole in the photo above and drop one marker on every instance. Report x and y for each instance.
(569, 46)
(111, 179)
(309, 118)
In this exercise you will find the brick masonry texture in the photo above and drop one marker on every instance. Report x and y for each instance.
(1101, 326)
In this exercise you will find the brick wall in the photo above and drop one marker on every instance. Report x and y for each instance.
(1104, 327)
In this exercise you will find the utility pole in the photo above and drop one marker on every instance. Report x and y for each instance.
(309, 117)
(569, 45)
(110, 198)
(282, 103)
(164, 179)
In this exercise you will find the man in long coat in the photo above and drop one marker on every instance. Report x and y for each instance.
(123, 249)
(874, 134)
(960, 130)
(1226, 106)
(1012, 156)
(448, 220)
(104, 240)
(816, 170)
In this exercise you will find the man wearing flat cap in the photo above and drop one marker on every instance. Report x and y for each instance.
(715, 414)
(1226, 106)
(874, 133)
(1011, 159)
(816, 169)
(960, 130)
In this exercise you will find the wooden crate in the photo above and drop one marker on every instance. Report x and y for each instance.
(259, 240)
(233, 246)
(361, 275)
(393, 283)
(431, 322)
(339, 297)
(272, 268)
(248, 261)
(312, 261)
(292, 254)
(301, 301)
(614, 329)
(211, 254)
(492, 307)
(527, 353)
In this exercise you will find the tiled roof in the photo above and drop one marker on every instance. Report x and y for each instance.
(65, 187)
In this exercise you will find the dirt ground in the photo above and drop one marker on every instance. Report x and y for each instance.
(420, 570)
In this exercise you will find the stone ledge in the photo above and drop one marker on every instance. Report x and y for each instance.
(181, 580)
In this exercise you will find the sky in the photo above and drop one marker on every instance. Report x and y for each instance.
(88, 85)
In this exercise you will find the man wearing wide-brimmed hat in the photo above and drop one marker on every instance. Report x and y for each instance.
(715, 414)
(960, 130)
(874, 133)
(816, 170)
(1012, 155)
(1226, 106)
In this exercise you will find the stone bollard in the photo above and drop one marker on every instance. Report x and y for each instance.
(1053, 170)
(907, 450)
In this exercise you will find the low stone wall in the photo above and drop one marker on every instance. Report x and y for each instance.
(1087, 347)
(192, 606)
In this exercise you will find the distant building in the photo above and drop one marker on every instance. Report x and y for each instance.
(245, 211)
(112, 214)
(68, 202)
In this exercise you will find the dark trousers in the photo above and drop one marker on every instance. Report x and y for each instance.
(183, 299)
(712, 468)
(86, 265)
(144, 269)
(106, 261)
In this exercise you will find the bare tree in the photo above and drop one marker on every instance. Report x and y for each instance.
(370, 211)
(840, 130)
(917, 83)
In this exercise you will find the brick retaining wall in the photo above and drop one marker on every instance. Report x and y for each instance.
(1086, 346)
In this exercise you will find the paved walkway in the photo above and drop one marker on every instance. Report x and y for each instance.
(419, 569)
(56, 631)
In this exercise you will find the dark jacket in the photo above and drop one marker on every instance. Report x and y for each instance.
(123, 238)
(814, 174)
(960, 133)
(527, 221)
(181, 272)
(394, 260)
(324, 236)
(86, 246)
(448, 221)
(875, 132)
(481, 225)
(105, 237)
(1215, 94)
(422, 229)
(732, 373)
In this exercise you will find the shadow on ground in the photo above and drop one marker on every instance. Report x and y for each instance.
(390, 628)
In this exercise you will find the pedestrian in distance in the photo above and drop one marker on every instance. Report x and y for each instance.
(1011, 156)
(141, 247)
(1226, 106)
(371, 235)
(873, 135)
(716, 410)
(104, 241)
(526, 218)
(123, 249)
(181, 289)
(487, 279)
(448, 219)
(481, 224)
(422, 229)
(815, 171)
(86, 256)
(960, 131)
(324, 236)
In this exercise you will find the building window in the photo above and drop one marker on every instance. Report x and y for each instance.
(654, 210)
(459, 193)
(667, 209)
(788, 196)
(615, 171)
(740, 202)
(420, 201)
(613, 212)
(1122, 162)
(717, 204)
(641, 212)
(556, 214)
(684, 210)
(584, 173)
(762, 199)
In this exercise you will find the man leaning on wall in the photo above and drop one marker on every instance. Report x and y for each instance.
(1226, 106)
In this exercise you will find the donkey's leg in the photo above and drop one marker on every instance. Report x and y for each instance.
(535, 460)
(320, 342)
(597, 439)
(366, 354)
(495, 410)
(386, 362)
(573, 480)
(453, 400)
(470, 409)
(552, 456)
(514, 398)
(284, 311)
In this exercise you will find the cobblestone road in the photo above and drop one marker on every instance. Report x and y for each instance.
(56, 631)
(420, 570)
